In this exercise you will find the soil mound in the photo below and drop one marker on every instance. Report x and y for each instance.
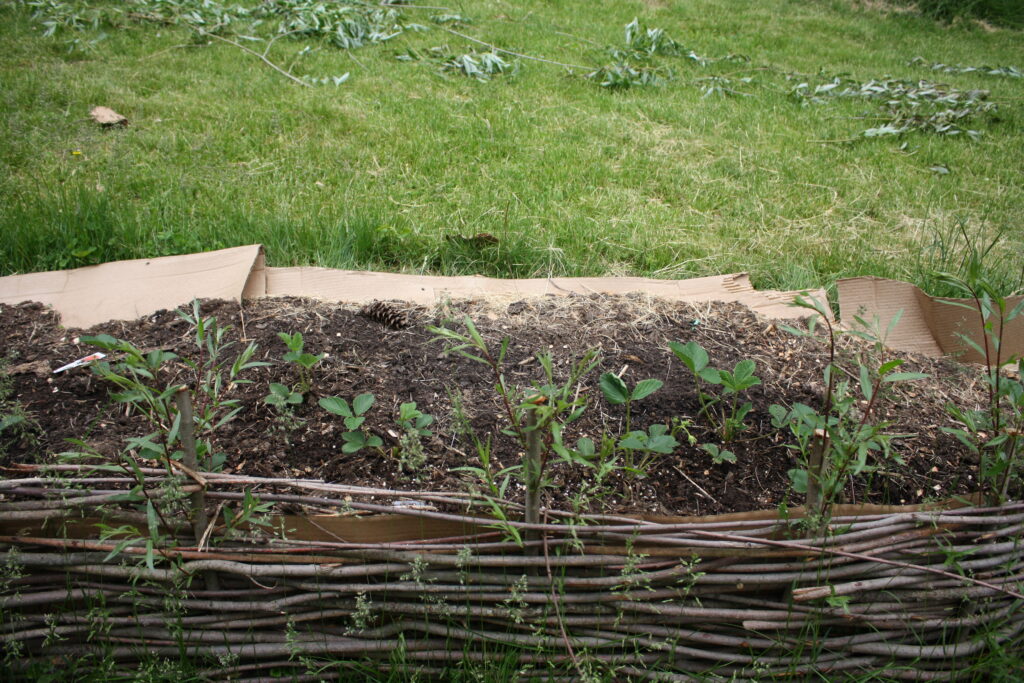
(402, 363)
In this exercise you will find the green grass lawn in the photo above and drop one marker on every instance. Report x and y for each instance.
(395, 167)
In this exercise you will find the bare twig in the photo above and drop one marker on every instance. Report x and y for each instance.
(696, 485)
(558, 609)
(270, 43)
(869, 558)
(263, 58)
(171, 49)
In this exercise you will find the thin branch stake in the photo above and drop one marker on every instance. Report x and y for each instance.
(532, 469)
(200, 522)
(815, 470)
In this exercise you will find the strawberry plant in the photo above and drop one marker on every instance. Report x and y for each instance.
(356, 438)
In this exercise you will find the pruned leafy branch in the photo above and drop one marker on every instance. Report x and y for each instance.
(1006, 71)
(473, 64)
(347, 25)
(635, 62)
(647, 56)
(904, 105)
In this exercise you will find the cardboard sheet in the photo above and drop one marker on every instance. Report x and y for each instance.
(361, 286)
(129, 289)
(398, 528)
(927, 324)
(125, 290)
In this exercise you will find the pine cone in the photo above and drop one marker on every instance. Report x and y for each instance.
(385, 314)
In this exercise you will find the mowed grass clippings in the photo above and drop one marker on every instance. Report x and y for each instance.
(408, 165)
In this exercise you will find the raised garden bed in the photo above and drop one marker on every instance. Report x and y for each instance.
(406, 365)
(319, 557)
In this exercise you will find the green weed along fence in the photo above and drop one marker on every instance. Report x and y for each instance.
(910, 593)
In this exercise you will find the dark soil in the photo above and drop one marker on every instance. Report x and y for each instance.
(408, 365)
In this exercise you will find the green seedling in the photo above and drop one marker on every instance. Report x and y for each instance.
(585, 452)
(138, 376)
(495, 486)
(282, 396)
(413, 424)
(545, 412)
(617, 393)
(15, 424)
(249, 514)
(185, 421)
(728, 420)
(657, 440)
(305, 362)
(9, 421)
(718, 454)
(836, 443)
(740, 379)
(996, 432)
(356, 438)
(602, 458)
(412, 420)
(696, 359)
(681, 427)
(134, 374)
(536, 418)
(605, 459)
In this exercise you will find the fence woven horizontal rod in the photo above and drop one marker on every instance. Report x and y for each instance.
(899, 591)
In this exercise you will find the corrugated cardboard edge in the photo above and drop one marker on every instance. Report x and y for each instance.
(124, 290)
(927, 324)
(363, 286)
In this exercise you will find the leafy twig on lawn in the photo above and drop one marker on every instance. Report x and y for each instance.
(514, 54)
(390, 5)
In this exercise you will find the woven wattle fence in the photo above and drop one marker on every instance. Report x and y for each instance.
(367, 576)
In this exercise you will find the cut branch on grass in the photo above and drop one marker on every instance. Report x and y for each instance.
(514, 54)
(261, 57)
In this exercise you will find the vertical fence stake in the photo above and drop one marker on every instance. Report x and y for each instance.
(183, 400)
(815, 470)
(531, 468)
